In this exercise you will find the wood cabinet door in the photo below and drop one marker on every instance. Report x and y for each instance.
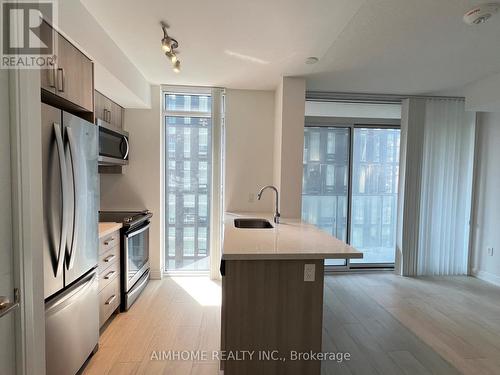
(74, 75)
(108, 110)
(108, 107)
(99, 106)
(117, 115)
(48, 76)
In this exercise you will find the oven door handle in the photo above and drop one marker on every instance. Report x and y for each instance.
(142, 229)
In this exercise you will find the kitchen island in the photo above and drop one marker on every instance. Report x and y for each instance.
(272, 294)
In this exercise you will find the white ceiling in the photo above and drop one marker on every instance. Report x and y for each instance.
(376, 46)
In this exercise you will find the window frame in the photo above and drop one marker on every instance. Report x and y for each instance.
(165, 113)
(352, 123)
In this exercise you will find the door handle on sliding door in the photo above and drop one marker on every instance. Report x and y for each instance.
(76, 200)
(64, 188)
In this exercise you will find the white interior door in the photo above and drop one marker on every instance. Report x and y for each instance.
(7, 311)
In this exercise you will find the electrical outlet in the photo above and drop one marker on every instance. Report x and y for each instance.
(251, 197)
(490, 251)
(309, 272)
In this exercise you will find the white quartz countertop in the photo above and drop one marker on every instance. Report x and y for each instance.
(106, 228)
(291, 239)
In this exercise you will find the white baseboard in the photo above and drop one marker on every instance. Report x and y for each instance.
(486, 276)
(155, 274)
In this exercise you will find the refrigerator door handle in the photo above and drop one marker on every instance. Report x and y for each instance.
(64, 188)
(76, 200)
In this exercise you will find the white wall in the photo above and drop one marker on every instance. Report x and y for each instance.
(140, 185)
(483, 95)
(486, 212)
(289, 144)
(249, 148)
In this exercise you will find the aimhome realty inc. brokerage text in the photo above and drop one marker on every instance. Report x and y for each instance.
(246, 355)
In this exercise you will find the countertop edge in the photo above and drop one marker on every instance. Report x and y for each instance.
(106, 228)
(290, 256)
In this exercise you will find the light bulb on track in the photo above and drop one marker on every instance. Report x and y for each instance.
(165, 44)
(177, 66)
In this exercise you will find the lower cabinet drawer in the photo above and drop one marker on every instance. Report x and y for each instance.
(109, 241)
(109, 300)
(108, 275)
(109, 257)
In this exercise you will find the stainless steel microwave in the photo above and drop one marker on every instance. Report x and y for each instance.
(113, 144)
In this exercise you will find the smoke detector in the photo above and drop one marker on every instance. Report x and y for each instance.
(312, 60)
(481, 13)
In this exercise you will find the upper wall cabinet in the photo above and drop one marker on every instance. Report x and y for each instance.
(71, 77)
(107, 110)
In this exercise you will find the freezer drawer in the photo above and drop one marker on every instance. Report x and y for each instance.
(72, 326)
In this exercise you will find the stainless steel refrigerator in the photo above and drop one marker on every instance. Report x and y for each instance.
(70, 247)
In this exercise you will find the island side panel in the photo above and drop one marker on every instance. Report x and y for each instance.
(268, 306)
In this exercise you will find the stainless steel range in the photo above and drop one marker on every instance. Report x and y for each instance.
(134, 252)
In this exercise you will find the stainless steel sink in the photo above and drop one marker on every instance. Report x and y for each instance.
(252, 223)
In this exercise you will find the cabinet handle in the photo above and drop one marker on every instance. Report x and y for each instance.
(52, 75)
(109, 275)
(110, 300)
(111, 240)
(109, 258)
(60, 70)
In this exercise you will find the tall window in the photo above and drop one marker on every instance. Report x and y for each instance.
(188, 122)
(350, 187)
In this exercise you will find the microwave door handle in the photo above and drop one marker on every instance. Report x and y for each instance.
(64, 188)
(76, 200)
(128, 147)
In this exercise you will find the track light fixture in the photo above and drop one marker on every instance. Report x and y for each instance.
(169, 45)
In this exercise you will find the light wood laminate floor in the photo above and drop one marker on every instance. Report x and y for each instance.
(389, 325)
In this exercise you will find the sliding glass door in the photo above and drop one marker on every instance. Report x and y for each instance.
(350, 187)
(325, 180)
(375, 171)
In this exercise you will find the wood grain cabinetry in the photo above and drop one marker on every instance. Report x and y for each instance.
(109, 275)
(107, 110)
(266, 307)
(74, 78)
(71, 77)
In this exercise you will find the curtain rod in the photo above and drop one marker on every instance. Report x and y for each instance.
(346, 97)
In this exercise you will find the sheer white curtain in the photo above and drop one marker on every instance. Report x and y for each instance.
(446, 188)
